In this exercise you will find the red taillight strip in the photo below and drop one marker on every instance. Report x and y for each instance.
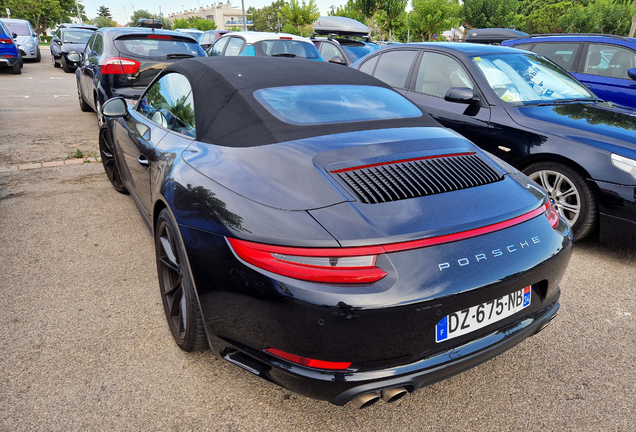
(463, 235)
(401, 161)
(261, 255)
(159, 37)
(304, 361)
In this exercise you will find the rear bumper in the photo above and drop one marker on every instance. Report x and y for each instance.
(9, 61)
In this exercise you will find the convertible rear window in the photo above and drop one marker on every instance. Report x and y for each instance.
(324, 104)
(159, 46)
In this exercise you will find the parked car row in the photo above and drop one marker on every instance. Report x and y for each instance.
(356, 233)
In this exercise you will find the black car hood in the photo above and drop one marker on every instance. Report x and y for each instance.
(603, 125)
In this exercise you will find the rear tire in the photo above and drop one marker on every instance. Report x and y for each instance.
(38, 56)
(572, 197)
(16, 69)
(82, 102)
(179, 298)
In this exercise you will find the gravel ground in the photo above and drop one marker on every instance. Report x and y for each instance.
(84, 344)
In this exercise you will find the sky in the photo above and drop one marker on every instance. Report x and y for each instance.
(123, 9)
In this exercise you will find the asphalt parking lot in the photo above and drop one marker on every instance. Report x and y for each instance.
(84, 344)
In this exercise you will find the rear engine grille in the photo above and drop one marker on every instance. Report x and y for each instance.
(400, 180)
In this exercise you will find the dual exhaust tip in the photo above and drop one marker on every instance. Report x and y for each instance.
(388, 396)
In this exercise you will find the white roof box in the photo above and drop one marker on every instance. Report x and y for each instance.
(338, 25)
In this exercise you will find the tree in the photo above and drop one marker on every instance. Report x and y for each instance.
(102, 21)
(600, 16)
(140, 14)
(269, 18)
(394, 10)
(491, 13)
(301, 15)
(434, 16)
(103, 11)
(194, 22)
(633, 25)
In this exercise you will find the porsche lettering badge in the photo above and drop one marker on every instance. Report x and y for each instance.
(495, 253)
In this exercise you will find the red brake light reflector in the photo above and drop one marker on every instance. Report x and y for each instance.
(285, 37)
(159, 37)
(304, 361)
(552, 214)
(119, 66)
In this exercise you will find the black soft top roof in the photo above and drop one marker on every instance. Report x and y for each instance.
(228, 114)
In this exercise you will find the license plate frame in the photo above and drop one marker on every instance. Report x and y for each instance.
(465, 321)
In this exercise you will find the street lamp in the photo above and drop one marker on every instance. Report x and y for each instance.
(79, 17)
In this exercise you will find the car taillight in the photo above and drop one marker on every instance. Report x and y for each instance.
(304, 361)
(552, 214)
(6, 41)
(357, 264)
(118, 66)
(159, 37)
(332, 265)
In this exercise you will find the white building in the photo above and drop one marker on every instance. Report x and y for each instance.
(224, 15)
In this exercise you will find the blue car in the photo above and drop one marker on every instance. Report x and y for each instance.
(605, 63)
(9, 53)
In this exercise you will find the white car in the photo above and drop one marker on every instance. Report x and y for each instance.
(264, 44)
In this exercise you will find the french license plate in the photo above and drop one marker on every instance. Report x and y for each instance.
(468, 320)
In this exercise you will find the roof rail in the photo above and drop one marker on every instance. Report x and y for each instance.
(580, 34)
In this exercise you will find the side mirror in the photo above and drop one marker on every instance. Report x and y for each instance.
(115, 107)
(74, 57)
(461, 95)
(337, 60)
(631, 73)
(14, 35)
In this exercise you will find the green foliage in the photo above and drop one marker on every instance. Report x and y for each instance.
(194, 22)
(491, 14)
(600, 16)
(434, 16)
(290, 29)
(269, 18)
(43, 14)
(102, 21)
(235, 28)
(349, 10)
(301, 15)
(103, 11)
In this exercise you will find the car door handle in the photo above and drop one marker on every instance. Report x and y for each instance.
(143, 161)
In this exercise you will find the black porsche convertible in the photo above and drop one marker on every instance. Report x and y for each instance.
(317, 229)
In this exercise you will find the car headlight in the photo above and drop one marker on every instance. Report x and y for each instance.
(625, 164)
(29, 45)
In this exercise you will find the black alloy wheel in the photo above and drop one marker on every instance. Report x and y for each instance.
(177, 289)
(107, 153)
(570, 194)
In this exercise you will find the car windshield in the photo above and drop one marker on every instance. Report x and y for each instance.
(76, 37)
(20, 28)
(529, 78)
(323, 104)
(356, 52)
(159, 47)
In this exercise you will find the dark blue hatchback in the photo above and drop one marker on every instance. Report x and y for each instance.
(605, 63)
(9, 53)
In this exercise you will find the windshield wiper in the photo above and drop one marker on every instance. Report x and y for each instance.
(173, 56)
(560, 101)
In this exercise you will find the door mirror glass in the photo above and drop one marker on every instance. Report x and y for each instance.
(115, 107)
(460, 95)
